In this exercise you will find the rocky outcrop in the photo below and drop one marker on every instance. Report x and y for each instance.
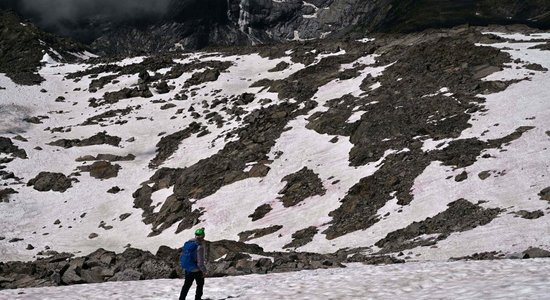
(97, 139)
(7, 147)
(302, 237)
(46, 181)
(225, 258)
(461, 215)
(5, 194)
(300, 186)
(258, 233)
(101, 169)
(545, 194)
(169, 144)
(24, 45)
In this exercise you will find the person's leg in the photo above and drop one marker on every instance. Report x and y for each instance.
(199, 278)
(186, 285)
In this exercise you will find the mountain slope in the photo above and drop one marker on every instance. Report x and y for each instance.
(22, 48)
(195, 24)
(409, 144)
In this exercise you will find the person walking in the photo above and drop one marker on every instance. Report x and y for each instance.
(192, 261)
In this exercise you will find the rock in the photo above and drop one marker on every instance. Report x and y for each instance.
(545, 194)
(280, 67)
(7, 147)
(202, 77)
(530, 215)
(71, 276)
(170, 143)
(153, 269)
(259, 170)
(127, 275)
(97, 139)
(301, 185)
(15, 240)
(163, 88)
(30, 247)
(124, 216)
(302, 237)
(93, 275)
(260, 212)
(101, 169)
(167, 106)
(126, 93)
(484, 175)
(257, 233)
(5, 194)
(536, 67)
(535, 253)
(461, 177)
(460, 216)
(93, 235)
(46, 181)
(114, 190)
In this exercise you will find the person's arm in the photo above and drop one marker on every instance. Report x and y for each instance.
(201, 259)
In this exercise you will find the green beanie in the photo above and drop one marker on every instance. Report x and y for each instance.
(199, 232)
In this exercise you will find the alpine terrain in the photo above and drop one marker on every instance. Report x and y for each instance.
(303, 135)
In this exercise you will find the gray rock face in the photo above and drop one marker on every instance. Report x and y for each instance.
(193, 24)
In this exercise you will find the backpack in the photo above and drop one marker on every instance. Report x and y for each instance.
(188, 258)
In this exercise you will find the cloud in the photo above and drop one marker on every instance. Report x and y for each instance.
(72, 17)
(55, 11)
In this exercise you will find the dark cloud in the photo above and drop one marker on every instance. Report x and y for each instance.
(71, 17)
(53, 11)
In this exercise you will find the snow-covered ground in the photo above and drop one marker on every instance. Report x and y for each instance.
(31, 214)
(501, 279)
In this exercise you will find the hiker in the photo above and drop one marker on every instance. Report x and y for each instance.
(192, 262)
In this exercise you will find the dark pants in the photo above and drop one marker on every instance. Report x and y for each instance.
(189, 277)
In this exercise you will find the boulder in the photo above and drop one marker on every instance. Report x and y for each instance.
(535, 253)
(127, 275)
(47, 181)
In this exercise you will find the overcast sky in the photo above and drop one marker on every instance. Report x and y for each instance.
(50, 12)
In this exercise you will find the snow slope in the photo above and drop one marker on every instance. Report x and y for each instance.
(31, 214)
